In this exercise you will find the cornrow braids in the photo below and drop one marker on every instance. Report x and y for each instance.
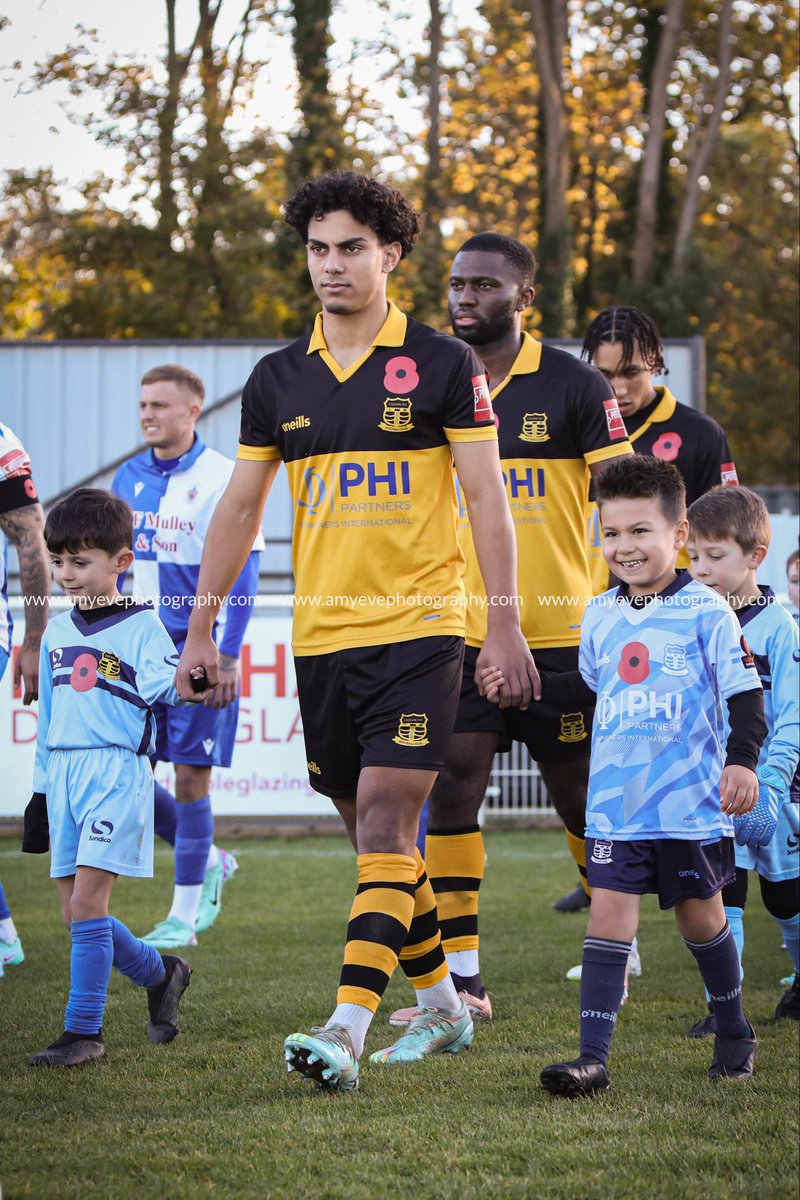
(632, 329)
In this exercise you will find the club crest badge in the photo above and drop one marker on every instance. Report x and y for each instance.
(534, 428)
(397, 415)
(675, 660)
(412, 730)
(573, 727)
(109, 665)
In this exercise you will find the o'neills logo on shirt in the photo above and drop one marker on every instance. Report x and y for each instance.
(297, 423)
(616, 425)
(483, 398)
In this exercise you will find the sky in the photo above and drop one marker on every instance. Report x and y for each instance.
(36, 130)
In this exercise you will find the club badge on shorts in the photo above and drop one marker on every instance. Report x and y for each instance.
(412, 730)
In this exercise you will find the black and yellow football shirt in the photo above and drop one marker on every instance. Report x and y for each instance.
(375, 547)
(555, 416)
(678, 434)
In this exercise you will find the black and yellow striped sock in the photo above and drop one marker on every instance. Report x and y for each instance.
(455, 859)
(379, 922)
(577, 848)
(422, 958)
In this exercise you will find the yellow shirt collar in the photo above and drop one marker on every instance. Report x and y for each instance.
(391, 333)
(528, 360)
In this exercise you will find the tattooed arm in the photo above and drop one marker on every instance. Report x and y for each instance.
(23, 527)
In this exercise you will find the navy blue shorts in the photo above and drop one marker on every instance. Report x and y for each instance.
(674, 870)
(377, 706)
(196, 735)
(550, 734)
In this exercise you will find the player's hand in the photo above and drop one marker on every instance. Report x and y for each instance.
(26, 669)
(507, 652)
(738, 790)
(491, 682)
(199, 653)
(229, 680)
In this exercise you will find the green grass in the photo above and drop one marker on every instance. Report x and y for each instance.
(215, 1114)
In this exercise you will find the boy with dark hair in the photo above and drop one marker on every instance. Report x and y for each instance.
(658, 655)
(103, 665)
(729, 536)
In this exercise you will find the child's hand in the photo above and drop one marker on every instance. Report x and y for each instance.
(738, 790)
(491, 680)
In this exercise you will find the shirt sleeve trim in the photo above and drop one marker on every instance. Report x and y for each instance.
(258, 453)
(480, 433)
(606, 452)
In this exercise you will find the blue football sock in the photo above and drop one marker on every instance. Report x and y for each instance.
(5, 911)
(90, 968)
(140, 963)
(602, 985)
(166, 815)
(791, 935)
(193, 839)
(736, 921)
(718, 962)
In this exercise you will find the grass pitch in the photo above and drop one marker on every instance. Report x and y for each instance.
(215, 1114)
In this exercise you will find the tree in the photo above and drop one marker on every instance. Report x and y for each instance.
(551, 50)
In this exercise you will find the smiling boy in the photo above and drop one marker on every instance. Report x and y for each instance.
(658, 655)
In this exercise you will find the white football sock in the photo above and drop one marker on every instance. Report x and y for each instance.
(463, 962)
(8, 930)
(185, 900)
(213, 858)
(357, 1020)
(442, 995)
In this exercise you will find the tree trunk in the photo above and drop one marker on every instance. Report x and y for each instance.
(550, 38)
(648, 194)
(704, 141)
(432, 265)
(317, 146)
(166, 203)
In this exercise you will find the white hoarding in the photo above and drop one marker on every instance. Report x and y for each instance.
(268, 776)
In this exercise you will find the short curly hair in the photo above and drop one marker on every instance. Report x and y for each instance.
(381, 207)
(643, 477)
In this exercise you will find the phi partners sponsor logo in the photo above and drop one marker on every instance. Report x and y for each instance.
(616, 425)
(483, 398)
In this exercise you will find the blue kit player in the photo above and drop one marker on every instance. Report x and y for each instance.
(173, 488)
(103, 666)
(662, 658)
(729, 535)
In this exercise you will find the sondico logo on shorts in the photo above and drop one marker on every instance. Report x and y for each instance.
(601, 854)
(101, 831)
(109, 665)
(534, 428)
(412, 730)
(573, 728)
